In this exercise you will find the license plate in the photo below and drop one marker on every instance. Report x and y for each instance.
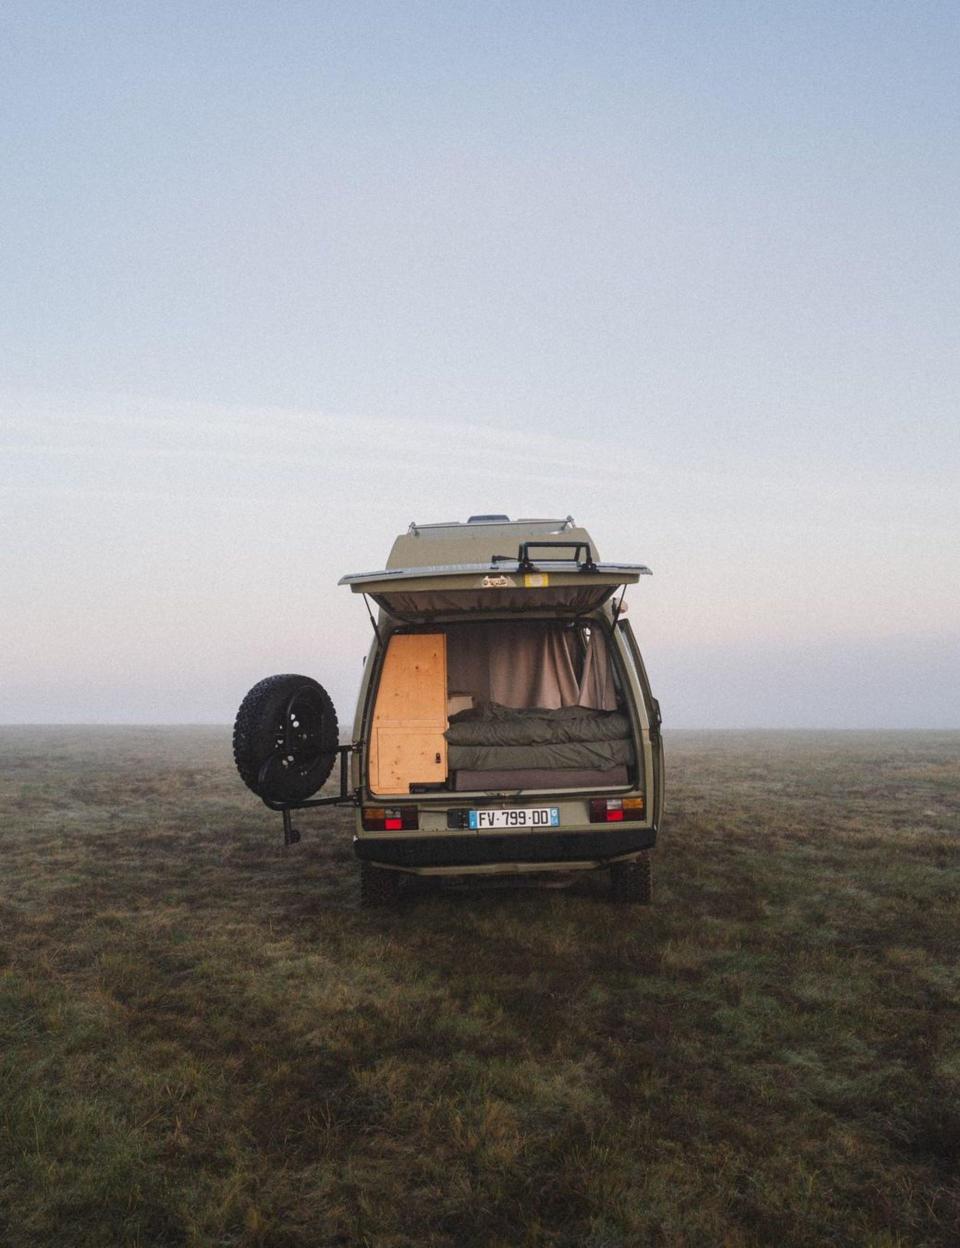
(528, 817)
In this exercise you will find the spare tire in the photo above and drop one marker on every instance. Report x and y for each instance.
(285, 738)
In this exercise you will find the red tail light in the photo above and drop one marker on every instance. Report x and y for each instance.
(615, 809)
(389, 819)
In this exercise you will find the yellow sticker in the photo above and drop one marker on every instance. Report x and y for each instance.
(536, 580)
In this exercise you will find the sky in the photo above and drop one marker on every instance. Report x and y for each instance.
(278, 279)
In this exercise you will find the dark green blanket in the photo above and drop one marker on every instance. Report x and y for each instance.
(492, 724)
(601, 755)
(491, 737)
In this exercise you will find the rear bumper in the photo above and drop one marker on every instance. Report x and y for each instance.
(527, 847)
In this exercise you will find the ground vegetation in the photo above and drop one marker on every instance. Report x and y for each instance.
(204, 1040)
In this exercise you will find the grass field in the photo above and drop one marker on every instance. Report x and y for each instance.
(203, 1040)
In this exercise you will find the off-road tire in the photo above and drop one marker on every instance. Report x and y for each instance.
(378, 887)
(261, 736)
(632, 882)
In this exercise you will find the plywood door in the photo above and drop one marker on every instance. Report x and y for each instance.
(405, 758)
(407, 743)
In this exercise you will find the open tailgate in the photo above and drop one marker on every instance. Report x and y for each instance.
(530, 582)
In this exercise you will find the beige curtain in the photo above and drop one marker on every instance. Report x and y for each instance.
(596, 683)
(527, 664)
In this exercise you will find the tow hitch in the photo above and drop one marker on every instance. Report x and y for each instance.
(291, 835)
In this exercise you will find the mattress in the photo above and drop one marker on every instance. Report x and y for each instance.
(548, 778)
(597, 755)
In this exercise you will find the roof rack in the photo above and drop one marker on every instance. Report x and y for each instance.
(414, 529)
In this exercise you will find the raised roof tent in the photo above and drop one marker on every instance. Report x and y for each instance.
(491, 565)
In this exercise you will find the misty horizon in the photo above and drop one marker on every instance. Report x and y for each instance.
(690, 275)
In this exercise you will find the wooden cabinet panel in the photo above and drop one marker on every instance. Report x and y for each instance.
(407, 745)
(413, 684)
(406, 757)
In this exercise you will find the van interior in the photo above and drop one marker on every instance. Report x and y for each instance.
(500, 704)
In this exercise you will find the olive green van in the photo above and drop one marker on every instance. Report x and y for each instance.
(504, 724)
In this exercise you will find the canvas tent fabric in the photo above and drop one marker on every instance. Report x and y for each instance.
(407, 604)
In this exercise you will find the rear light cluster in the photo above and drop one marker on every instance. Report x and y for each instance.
(389, 818)
(615, 809)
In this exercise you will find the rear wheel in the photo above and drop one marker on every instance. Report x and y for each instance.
(285, 738)
(633, 881)
(377, 886)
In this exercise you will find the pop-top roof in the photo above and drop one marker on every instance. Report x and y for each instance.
(476, 541)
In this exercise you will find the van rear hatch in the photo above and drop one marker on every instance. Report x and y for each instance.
(556, 576)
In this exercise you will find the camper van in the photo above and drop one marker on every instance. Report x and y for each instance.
(505, 722)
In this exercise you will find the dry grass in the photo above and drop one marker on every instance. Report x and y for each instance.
(203, 1041)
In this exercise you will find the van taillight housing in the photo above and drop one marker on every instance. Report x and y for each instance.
(615, 809)
(389, 818)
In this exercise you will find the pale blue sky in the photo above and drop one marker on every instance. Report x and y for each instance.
(277, 279)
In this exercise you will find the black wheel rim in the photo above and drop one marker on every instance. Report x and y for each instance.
(299, 746)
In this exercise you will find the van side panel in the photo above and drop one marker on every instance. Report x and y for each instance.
(652, 712)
